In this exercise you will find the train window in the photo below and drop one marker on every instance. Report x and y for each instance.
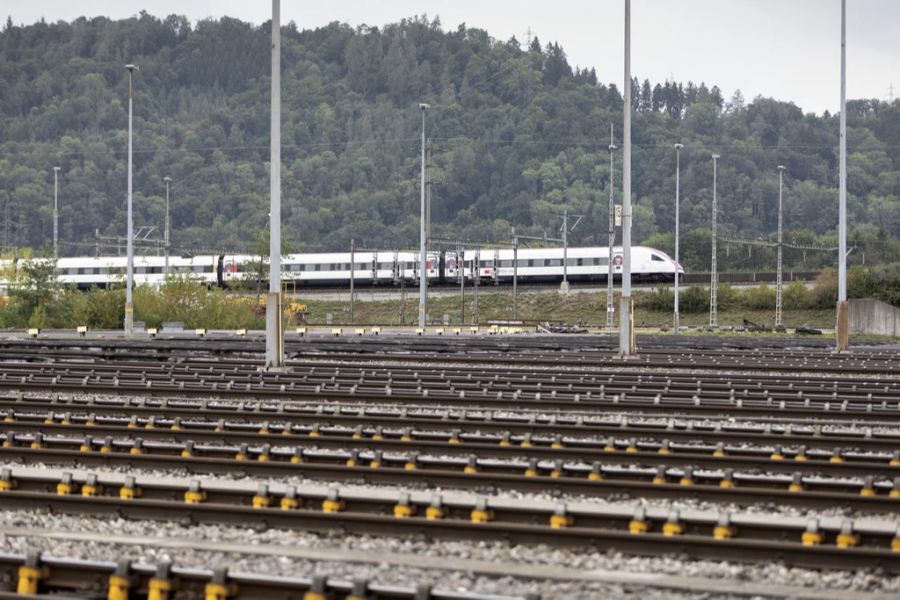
(556, 262)
(657, 258)
(579, 262)
(546, 262)
(385, 266)
(530, 262)
(506, 263)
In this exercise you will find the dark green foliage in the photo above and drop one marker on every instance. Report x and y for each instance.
(695, 299)
(517, 134)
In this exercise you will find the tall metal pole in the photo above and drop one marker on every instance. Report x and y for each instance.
(55, 220)
(423, 273)
(274, 331)
(714, 267)
(564, 287)
(477, 271)
(352, 277)
(626, 325)
(515, 274)
(461, 265)
(676, 318)
(842, 329)
(167, 239)
(610, 275)
(779, 280)
(129, 272)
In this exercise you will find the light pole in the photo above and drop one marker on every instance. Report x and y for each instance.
(714, 270)
(779, 281)
(423, 271)
(274, 331)
(168, 180)
(55, 219)
(129, 283)
(626, 325)
(610, 274)
(842, 329)
(676, 319)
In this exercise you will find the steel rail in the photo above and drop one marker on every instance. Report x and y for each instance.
(596, 480)
(67, 576)
(836, 463)
(249, 426)
(599, 528)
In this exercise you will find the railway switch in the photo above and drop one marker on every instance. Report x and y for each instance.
(333, 503)
(481, 513)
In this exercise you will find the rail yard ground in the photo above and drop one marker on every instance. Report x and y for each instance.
(395, 465)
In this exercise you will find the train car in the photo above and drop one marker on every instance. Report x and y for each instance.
(545, 265)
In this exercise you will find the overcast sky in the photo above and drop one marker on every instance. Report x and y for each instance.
(787, 49)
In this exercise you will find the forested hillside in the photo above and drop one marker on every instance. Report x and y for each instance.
(517, 135)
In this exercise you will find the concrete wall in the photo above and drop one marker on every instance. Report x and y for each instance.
(874, 317)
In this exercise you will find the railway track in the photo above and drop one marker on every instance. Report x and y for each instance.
(800, 542)
(44, 574)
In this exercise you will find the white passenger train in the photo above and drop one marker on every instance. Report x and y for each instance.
(537, 265)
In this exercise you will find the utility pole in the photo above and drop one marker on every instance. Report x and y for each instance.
(55, 221)
(779, 282)
(610, 275)
(476, 269)
(423, 270)
(167, 239)
(274, 331)
(461, 267)
(564, 286)
(676, 318)
(515, 274)
(129, 271)
(352, 276)
(842, 328)
(626, 320)
(714, 276)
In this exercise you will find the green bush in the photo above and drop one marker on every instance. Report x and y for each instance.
(761, 297)
(797, 296)
(694, 299)
(660, 300)
(726, 296)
